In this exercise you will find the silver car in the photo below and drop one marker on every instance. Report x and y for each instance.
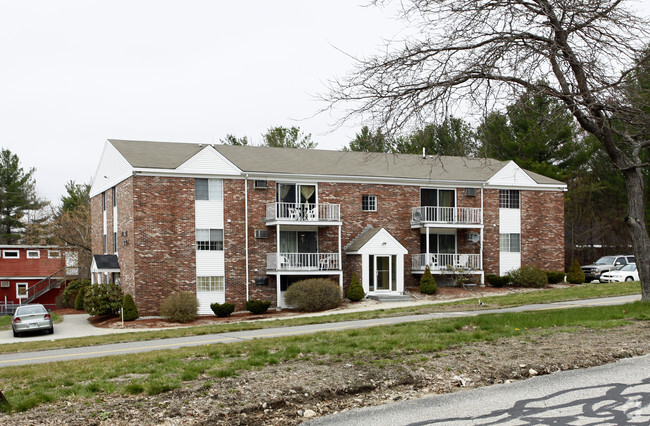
(31, 318)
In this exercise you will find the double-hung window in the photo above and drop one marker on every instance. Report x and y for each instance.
(369, 203)
(210, 284)
(510, 243)
(509, 198)
(209, 239)
(209, 189)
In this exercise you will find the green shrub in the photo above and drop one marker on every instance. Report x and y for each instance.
(555, 277)
(428, 283)
(258, 306)
(575, 275)
(79, 300)
(222, 309)
(528, 276)
(71, 290)
(129, 310)
(103, 299)
(180, 307)
(497, 281)
(355, 291)
(315, 294)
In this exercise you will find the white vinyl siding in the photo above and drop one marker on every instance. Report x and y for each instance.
(210, 264)
(509, 223)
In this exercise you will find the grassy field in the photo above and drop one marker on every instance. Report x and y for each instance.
(156, 372)
(585, 291)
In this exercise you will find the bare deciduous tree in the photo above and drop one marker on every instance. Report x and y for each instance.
(485, 53)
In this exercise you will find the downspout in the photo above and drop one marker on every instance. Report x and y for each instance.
(246, 233)
(481, 239)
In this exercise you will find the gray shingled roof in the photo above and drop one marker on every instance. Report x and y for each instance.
(106, 261)
(361, 239)
(266, 160)
(156, 155)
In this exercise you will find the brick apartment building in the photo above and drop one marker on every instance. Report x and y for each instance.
(233, 223)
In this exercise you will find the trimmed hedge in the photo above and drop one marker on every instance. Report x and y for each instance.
(258, 306)
(180, 307)
(355, 291)
(129, 310)
(428, 283)
(575, 275)
(555, 277)
(497, 281)
(222, 309)
(71, 290)
(315, 294)
(529, 276)
(79, 300)
(103, 299)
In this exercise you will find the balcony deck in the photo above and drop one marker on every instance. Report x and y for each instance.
(303, 214)
(303, 262)
(449, 217)
(446, 263)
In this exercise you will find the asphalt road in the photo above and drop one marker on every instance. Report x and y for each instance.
(26, 358)
(613, 394)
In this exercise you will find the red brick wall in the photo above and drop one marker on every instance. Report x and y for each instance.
(96, 224)
(125, 238)
(542, 229)
(163, 239)
(491, 231)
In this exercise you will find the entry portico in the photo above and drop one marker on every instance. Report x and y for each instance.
(382, 261)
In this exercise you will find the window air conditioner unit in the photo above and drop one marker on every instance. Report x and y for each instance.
(470, 192)
(260, 184)
(261, 233)
(4, 284)
(473, 237)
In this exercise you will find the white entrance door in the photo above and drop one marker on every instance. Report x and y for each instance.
(383, 273)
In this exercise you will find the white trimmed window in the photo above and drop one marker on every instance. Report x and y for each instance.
(21, 290)
(209, 239)
(210, 284)
(33, 254)
(209, 189)
(11, 254)
(369, 203)
(510, 243)
(509, 198)
(54, 254)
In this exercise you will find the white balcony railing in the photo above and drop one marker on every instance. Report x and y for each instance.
(455, 215)
(303, 212)
(302, 261)
(446, 261)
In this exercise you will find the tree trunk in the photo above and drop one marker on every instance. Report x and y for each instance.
(635, 221)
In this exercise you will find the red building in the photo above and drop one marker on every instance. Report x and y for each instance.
(34, 274)
(233, 223)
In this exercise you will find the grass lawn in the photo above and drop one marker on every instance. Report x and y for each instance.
(156, 372)
(585, 291)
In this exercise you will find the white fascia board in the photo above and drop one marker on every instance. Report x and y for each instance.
(286, 177)
(209, 161)
(176, 173)
(112, 169)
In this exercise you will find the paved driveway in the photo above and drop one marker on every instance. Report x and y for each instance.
(76, 325)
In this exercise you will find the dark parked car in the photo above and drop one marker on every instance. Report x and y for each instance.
(606, 264)
(31, 318)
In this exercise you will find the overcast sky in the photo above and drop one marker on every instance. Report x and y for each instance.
(75, 73)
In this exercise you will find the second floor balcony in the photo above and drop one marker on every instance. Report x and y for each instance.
(302, 262)
(302, 213)
(454, 216)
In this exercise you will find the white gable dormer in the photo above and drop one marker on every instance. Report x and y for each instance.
(511, 175)
(113, 168)
(209, 161)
